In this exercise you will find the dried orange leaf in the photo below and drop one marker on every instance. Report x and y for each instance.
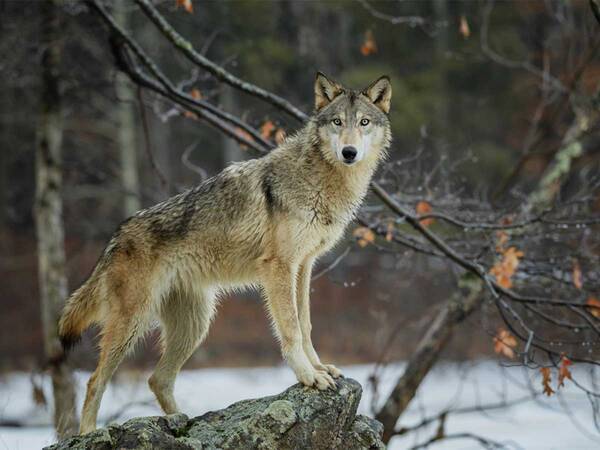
(190, 114)
(502, 237)
(463, 28)
(389, 234)
(505, 268)
(546, 379)
(563, 370)
(266, 129)
(369, 45)
(187, 5)
(505, 343)
(577, 277)
(594, 306)
(423, 208)
(364, 236)
(196, 94)
(280, 136)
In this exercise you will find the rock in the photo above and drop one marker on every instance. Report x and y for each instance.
(298, 418)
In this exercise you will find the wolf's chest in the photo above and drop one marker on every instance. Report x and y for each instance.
(318, 228)
(317, 238)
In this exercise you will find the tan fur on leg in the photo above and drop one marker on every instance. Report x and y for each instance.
(185, 320)
(118, 338)
(303, 298)
(279, 280)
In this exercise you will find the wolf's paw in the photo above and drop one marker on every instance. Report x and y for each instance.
(324, 381)
(330, 369)
(318, 379)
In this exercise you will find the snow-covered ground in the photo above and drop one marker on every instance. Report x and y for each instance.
(539, 424)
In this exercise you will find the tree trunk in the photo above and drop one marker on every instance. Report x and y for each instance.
(232, 152)
(440, 45)
(48, 216)
(463, 302)
(5, 108)
(126, 136)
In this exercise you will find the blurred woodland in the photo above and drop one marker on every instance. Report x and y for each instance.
(491, 195)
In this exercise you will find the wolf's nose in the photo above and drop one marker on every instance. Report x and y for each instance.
(349, 153)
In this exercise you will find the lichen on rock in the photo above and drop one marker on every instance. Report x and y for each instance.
(299, 417)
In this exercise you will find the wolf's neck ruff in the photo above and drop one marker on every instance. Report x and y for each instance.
(304, 176)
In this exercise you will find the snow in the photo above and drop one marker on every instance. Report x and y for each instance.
(539, 424)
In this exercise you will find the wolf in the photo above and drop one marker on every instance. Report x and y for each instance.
(261, 222)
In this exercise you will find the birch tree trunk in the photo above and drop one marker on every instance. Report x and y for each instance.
(126, 136)
(231, 149)
(48, 217)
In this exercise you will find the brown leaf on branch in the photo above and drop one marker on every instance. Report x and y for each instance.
(186, 4)
(389, 234)
(266, 129)
(505, 268)
(280, 136)
(196, 94)
(369, 45)
(546, 379)
(364, 236)
(577, 277)
(463, 28)
(423, 208)
(594, 306)
(502, 239)
(563, 370)
(505, 343)
(190, 114)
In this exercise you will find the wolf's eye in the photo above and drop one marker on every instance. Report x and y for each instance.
(364, 122)
(337, 122)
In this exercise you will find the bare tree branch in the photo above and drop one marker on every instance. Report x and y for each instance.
(217, 71)
(163, 86)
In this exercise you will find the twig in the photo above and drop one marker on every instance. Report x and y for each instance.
(185, 159)
(331, 266)
(163, 181)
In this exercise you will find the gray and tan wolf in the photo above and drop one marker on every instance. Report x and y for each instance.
(258, 223)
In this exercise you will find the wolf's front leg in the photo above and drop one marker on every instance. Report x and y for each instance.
(279, 283)
(303, 297)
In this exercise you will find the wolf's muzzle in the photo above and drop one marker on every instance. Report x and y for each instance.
(349, 153)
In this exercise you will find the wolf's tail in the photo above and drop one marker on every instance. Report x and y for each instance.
(80, 311)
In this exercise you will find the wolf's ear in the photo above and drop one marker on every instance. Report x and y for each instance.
(325, 90)
(380, 93)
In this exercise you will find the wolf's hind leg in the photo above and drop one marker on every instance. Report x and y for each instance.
(185, 321)
(119, 335)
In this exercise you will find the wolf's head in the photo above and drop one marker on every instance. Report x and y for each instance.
(352, 125)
